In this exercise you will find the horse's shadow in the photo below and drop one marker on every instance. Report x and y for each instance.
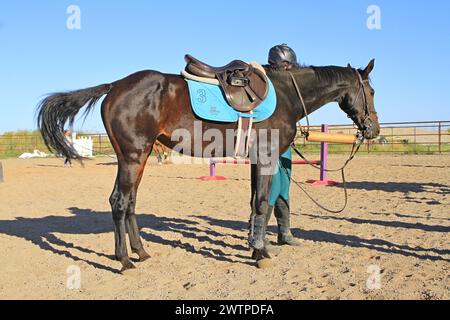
(204, 229)
(42, 232)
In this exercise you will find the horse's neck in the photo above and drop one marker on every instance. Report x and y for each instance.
(317, 93)
(315, 102)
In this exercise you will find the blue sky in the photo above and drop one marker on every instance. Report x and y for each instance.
(39, 55)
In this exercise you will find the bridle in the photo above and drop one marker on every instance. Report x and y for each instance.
(367, 122)
(367, 125)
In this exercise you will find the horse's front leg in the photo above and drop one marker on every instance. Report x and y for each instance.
(261, 182)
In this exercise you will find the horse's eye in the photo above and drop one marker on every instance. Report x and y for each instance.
(372, 92)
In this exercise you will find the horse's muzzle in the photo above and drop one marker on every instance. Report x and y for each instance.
(371, 129)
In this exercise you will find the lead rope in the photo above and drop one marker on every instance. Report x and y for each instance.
(344, 182)
(305, 133)
(299, 185)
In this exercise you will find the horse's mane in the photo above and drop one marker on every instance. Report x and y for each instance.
(329, 74)
(333, 73)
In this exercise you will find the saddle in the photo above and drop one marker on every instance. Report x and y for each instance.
(243, 85)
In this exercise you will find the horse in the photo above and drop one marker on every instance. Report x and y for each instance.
(161, 151)
(150, 106)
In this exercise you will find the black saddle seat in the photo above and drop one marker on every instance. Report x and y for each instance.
(201, 69)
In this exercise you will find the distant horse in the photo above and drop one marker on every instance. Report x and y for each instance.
(161, 151)
(149, 106)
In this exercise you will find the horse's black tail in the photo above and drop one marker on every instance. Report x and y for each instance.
(58, 109)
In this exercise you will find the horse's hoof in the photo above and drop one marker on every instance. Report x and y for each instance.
(127, 265)
(144, 256)
(259, 254)
(264, 263)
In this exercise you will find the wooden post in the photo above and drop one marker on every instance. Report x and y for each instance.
(331, 137)
(1, 173)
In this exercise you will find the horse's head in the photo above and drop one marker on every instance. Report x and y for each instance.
(358, 103)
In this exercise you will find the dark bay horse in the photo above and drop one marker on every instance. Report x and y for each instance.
(149, 106)
(161, 152)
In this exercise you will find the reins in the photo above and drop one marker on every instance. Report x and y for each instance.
(355, 148)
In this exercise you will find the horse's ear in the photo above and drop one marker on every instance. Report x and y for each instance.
(368, 69)
(349, 66)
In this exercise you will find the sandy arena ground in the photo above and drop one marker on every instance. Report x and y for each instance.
(397, 221)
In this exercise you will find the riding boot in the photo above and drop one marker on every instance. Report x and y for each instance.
(257, 235)
(282, 213)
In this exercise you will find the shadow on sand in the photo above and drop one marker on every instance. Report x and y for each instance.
(353, 241)
(392, 224)
(41, 232)
(416, 187)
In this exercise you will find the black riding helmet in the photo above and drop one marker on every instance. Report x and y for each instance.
(282, 53)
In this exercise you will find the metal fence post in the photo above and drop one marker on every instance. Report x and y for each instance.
(392, 139)
(440, 137)
(415, 139)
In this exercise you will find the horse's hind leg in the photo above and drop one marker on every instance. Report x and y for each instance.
(131, 223)
(119, 204)
(123, 202)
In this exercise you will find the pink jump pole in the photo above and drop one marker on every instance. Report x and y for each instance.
(323, 164)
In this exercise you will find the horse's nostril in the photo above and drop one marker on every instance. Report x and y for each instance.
(370, 133)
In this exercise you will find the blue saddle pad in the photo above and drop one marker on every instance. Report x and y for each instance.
(208, 103)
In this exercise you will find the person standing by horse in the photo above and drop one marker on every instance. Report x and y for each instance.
(282, 57)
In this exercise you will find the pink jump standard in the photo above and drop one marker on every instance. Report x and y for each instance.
(323, 181)
(212, 168)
